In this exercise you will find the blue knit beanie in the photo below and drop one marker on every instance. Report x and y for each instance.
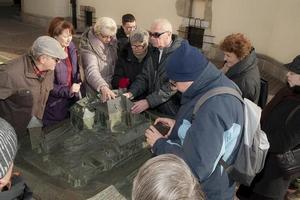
(186, 63)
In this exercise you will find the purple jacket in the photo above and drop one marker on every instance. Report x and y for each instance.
(60, 99)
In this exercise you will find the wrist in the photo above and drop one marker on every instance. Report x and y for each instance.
(101, 87)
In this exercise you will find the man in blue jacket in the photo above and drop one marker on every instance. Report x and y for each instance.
(214, 133)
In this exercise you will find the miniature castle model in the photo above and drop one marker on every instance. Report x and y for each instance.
(98, 137)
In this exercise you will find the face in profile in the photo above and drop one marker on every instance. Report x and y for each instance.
(105, 39)
(230, 58)
(64, 38)
(48, 62)
(158, 37)
(293, 79)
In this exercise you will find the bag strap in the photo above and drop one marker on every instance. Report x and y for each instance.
(214, 92)
(211, 93)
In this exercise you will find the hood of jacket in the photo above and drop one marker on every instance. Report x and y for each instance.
(176, 42)
(248, 63)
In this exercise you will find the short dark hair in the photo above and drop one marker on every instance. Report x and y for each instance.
(127, 18)
(57, 25)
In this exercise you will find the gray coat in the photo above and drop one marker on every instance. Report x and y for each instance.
(98, 60)
(154, 82)
(246, 75)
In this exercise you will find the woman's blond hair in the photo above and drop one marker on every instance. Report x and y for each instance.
(105, 26)
(166, 177)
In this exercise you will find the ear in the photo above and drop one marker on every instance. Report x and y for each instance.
(42, 59)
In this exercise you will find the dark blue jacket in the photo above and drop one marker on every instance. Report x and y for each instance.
(214, 133)
(60, 99)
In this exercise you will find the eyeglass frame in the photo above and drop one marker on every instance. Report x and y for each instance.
(156, 34)
(139, 47)
(173, 83)
(105, 36)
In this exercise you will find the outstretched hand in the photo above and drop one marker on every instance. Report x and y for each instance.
(140, 106)
(107, 94)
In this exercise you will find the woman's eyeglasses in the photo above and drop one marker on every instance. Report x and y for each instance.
(140, 47)
(105, 36)
(156, 34)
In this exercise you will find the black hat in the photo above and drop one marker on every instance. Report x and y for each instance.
(294, 66)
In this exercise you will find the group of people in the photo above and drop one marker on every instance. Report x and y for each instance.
(162, 72)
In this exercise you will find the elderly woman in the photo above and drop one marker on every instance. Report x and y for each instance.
(66, 81)
(280, 121)
(98, 51)
(241, 65)
(166, 177)
(131, 59)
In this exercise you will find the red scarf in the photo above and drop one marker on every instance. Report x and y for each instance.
(69, 68)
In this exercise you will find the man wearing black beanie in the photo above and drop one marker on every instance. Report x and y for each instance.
(213, 133)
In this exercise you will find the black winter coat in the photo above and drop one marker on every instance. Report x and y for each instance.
(128, 66)
(281, 119)
(123, 40)
(246, 75)
(154, 82)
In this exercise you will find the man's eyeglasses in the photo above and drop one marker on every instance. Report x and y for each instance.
(156, 34)
(172, 83)
(140, 47)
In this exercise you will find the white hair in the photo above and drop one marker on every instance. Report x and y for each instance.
(105, 26)
(163, 23)
(166, 177)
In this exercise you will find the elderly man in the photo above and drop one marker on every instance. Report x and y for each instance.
(25, 82)
(153, 81)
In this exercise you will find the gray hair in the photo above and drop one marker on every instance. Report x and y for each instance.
(166, 177)
(163, 23)
(106, 26)
(139, 35)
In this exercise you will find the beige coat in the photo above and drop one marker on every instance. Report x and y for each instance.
(98, 60)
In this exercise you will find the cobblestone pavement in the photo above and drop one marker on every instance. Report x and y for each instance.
(15, 36)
